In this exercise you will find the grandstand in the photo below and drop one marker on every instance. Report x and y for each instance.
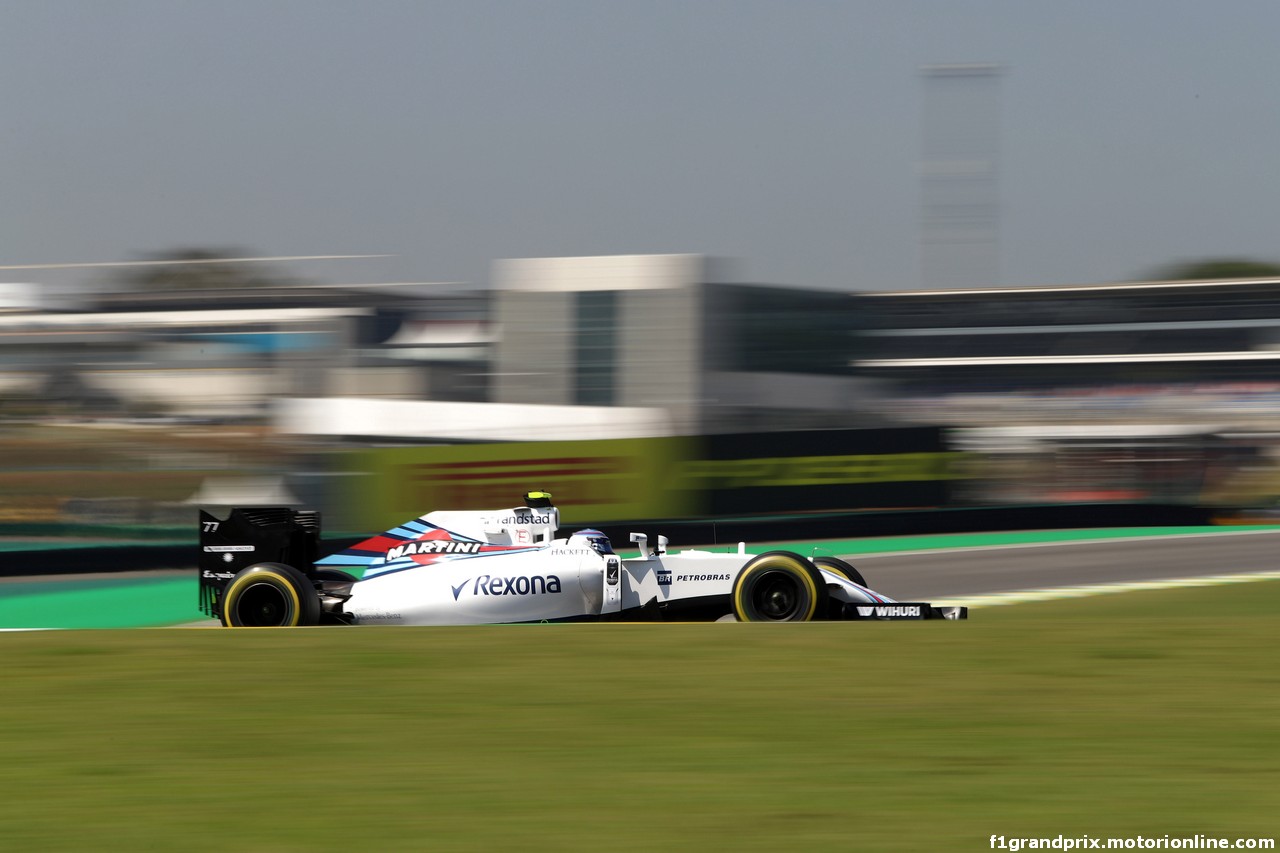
(1203, 350)
(1145, 391)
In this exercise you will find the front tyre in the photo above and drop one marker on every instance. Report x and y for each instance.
(779, 586)
(270, 595)
(837, 566)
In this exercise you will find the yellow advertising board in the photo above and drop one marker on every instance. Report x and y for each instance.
(607, 480)
(810, 471)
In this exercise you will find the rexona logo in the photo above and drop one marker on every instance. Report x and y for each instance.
(905, 611)
(433, 546)
(521, 585)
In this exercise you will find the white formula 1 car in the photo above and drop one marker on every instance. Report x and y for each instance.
(259, 568)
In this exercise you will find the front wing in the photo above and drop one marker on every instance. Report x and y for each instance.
(901, 611)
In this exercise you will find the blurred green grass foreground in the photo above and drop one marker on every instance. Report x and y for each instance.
(1143, 713)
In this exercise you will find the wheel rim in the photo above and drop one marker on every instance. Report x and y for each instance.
(778, 596)
(262, 605)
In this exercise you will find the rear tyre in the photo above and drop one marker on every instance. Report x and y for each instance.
(837, 566)
(779, 586)
(270, 595)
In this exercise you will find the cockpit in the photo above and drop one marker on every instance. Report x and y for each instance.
(593, 539)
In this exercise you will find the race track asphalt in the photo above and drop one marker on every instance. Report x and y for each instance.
(925, 575)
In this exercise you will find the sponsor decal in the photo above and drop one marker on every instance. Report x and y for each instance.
(217, 576)
(380, 616)
(704, 577)
(519, 585)
(909, 611)
(527, 519)
(664, 578)
(224, 549)
(433, 546)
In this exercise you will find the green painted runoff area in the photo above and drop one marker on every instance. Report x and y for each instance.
(100, 603)
(106, 602)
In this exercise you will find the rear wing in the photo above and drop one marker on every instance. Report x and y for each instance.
(249, 536)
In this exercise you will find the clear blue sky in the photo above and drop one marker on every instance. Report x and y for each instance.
(785, 135)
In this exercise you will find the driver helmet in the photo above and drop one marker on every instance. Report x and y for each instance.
(594, 539)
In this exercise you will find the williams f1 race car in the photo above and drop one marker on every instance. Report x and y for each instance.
(260, 567)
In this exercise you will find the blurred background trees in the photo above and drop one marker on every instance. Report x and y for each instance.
(1215, 268)
(196, 268)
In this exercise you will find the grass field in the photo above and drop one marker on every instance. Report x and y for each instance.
(1143, 713)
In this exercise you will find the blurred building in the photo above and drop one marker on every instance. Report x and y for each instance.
(659, 344)
(628, 345)
(212, 355)
(662, 331)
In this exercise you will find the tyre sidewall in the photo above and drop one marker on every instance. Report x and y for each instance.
(806, 577)
(302, 603)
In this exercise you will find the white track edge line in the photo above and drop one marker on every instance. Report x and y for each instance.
(997, 599)
(1056, 543)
